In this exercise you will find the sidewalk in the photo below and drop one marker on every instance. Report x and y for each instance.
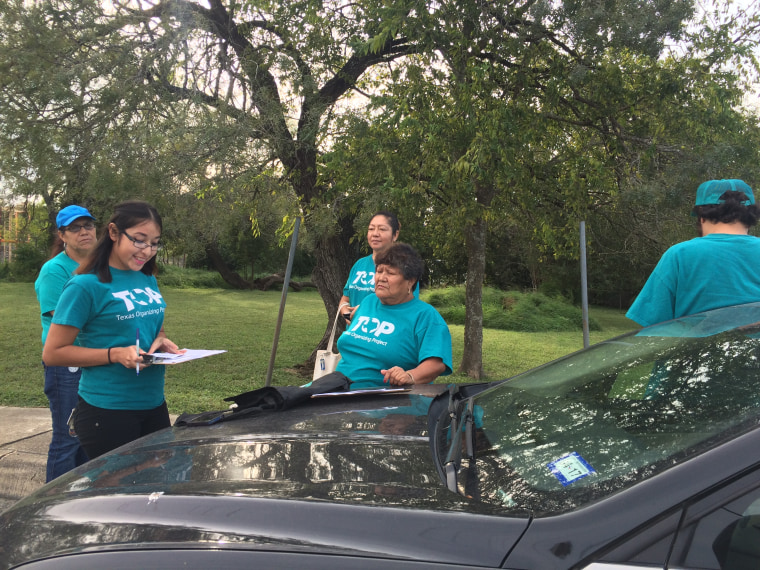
(24, 439)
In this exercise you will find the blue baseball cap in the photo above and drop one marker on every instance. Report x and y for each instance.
(71, 213)
(709, 192)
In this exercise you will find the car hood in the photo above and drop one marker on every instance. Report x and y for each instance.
(334, 474)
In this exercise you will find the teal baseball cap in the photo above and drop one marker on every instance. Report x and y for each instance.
(709, 192)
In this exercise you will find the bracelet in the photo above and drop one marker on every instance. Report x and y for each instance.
(109, 355)
(344, 305)
(410, 376)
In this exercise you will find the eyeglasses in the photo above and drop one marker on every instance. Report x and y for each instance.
(142, 244)
(76, 228)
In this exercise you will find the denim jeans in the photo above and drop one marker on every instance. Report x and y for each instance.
(65, 452)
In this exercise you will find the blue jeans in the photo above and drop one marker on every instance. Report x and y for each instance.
(65, 452)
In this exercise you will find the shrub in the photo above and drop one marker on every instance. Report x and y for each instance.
(27, 260)
(184, 278)
(511, 310)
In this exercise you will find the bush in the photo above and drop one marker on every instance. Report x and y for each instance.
(511, 310)
(27, 260)
(184, 278)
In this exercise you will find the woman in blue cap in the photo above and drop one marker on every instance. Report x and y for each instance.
(717, 269)
(74, 242)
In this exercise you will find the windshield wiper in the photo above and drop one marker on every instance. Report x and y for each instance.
(454, 455)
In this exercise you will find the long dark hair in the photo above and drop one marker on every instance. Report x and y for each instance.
(58, 245)
(126, 215)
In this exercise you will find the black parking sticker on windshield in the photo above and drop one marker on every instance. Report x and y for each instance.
(570, 468)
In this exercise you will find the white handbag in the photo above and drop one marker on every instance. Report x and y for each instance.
(327, 360)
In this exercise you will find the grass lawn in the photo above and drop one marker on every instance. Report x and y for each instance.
(243, 323)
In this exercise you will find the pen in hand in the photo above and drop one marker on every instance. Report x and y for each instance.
(137, 348)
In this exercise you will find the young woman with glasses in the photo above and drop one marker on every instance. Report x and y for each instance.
(113, 304)
(74, 242)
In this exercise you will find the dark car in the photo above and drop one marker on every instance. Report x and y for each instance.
(639, 452)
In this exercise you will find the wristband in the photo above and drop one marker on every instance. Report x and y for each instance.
(109, 355)
(410, 376)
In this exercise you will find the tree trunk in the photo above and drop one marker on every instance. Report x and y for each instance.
(475, 243)
(231, 277)
(334, 258)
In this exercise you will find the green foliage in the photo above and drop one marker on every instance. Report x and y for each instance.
(511, 310)
(26, 264)
(186, 278)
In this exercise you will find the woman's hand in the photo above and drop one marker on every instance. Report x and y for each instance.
(126, 356)
(425, 372)
(397, 376)
(163, 344)
(346, 310)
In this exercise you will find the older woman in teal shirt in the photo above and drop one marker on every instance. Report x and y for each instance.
(395, 338)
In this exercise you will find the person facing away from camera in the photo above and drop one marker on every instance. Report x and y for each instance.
(114, 306)
(74, 241)
(719, 268)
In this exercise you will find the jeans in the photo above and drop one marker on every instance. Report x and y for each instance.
(65, 452)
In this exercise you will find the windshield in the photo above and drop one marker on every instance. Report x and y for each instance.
(598, 421)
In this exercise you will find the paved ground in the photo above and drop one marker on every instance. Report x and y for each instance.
(24, 439)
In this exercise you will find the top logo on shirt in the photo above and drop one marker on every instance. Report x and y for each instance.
(142, 297)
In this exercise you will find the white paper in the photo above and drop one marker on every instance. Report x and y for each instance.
(189, 354)
(364, 391)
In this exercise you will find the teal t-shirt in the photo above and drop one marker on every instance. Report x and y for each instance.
(381, 336)
(54, 274)
(361, 281)
(109, 315)
(717, 270)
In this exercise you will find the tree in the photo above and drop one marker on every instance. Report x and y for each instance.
(250, 84)
(538, 112)
(520, 107)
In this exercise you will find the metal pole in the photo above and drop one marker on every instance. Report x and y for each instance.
(584, 286)
(285, 285)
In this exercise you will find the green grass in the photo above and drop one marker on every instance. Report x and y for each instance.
(243, 323)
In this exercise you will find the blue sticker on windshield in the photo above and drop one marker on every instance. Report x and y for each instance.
(570, 468)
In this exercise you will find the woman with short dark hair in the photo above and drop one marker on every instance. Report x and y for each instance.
(395, 338)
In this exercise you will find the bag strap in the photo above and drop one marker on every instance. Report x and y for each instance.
(335, 325)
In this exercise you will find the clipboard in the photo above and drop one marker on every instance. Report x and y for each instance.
(187, 355)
